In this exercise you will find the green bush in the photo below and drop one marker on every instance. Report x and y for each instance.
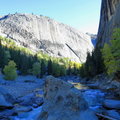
(10, 71)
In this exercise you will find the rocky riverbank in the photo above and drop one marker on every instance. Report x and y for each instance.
(105, 83)
(20, 96)
(27, 102)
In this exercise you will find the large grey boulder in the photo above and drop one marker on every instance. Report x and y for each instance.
(110, 19)
(4, 103)
(9, 97)
(45, 34)
(6, 100)
(112, 104)
(5, 115)
(64, 102)
(113, 113)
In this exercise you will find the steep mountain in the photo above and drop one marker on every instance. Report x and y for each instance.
(110, 19)
(45, 34)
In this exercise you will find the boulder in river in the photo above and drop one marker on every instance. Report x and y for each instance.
(32, 99)
(3, 103)
(64, 102)
(113, 114)
(6, 99)
(111, 104)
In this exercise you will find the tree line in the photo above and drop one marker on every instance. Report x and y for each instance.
(104, 59)
(28, 62)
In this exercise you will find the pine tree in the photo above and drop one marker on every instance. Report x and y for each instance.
(62, 70)
(43, 68)
(6, 57)
(55, 69)
(69, 70)
(82, 71)
(98, 61)
(50, 67)
(36, 70)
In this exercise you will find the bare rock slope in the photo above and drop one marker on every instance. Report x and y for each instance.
(48, 35)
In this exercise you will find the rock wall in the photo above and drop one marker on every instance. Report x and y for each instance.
(64, 102)
(47, 35)
(109, 19)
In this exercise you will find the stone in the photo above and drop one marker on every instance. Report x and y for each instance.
(87, 115)
(6, 100)
(7, 113)
(3, 103)
(64, 102)
(21, 109)
(39, 101)
(31, 99)
(113, 114)
(35, 105)
(110, 19)
(111, 104)
(27, 100)
(45, 34)
(7, 95)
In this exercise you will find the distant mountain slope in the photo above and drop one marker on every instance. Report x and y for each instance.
(48, 35)
(93, 38)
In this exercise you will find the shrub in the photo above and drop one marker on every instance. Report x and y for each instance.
(10, 71)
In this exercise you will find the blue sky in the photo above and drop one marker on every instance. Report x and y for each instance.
(81, 14)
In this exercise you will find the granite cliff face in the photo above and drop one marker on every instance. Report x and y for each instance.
(47, 35)
(110, 19)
